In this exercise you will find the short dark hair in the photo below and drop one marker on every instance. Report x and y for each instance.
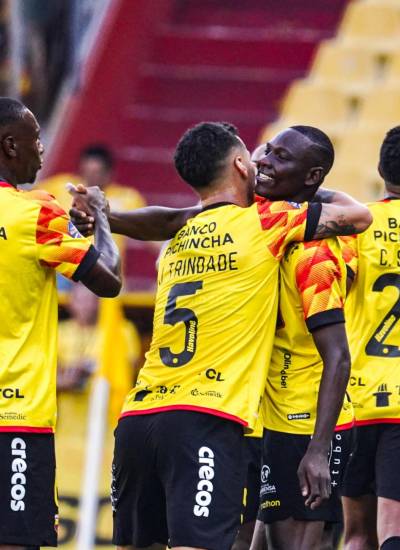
(325, 152)
(99, 152)
(202, 150)
(11, 110)
(389, 157)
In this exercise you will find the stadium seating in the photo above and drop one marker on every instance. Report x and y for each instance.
(353, 93)
(374, 25)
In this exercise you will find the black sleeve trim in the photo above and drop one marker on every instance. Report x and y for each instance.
(313, 216)
(90, 258)
(350, 273)
(325, 318)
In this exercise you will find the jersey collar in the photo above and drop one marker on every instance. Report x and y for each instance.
(6, 184)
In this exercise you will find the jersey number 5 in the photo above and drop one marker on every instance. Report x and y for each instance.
(376, 345)
(174, 315)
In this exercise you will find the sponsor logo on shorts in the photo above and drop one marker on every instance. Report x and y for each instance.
(270, 504)
(205, 487)
(266, 488)
(265, 471)
(18, 478)
(298, 416)
(335, 459)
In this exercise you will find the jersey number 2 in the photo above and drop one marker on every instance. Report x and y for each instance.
(376, 345)
(174, 315)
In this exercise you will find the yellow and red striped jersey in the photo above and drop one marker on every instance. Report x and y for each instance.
(373, 314)
(36, 238)
(215, 312)
(312, 295)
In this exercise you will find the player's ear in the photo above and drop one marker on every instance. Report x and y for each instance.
(240, 166)
(315, 176)
(9, 146)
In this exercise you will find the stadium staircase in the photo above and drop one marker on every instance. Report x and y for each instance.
(210, 60)
(353, 93)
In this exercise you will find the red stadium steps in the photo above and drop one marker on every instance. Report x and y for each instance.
(233, 47)
(171, 122)
(210, 60)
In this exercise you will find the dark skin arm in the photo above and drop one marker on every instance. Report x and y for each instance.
(313, 471)
(340, 214)
(104, 279)
(153, 223)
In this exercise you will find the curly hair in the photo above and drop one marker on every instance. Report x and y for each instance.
(202, 151)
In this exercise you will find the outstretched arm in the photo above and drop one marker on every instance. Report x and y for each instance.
(340, 215)
(152, 223)
(313, 472)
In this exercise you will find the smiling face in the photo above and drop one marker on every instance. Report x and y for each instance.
(288, 167)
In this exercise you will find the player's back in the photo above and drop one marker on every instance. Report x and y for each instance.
(215, 314)
(372, 315)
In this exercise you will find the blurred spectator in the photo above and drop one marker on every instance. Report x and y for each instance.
(4, 59)
(46, 51)
(80, 351)
(79, 342)
(95, 168)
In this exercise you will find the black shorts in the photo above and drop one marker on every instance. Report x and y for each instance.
(28, 509)
(178, 478)
(374, 465)
(280, 493)
(252, 454)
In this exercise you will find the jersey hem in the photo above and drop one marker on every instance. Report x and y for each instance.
(346, 426)
(204, 410)
(24, 429)
(377, 421)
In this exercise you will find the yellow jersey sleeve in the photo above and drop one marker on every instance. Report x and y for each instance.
(59, 244)
(319, 282)
(286, 222)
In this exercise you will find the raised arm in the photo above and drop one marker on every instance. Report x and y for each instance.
(313, 472)
(152, 223)
(340, 215)
(104, 277)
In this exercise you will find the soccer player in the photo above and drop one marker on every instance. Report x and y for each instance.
(36, 239)
(178, 467)
(307, 377)
(372, 482)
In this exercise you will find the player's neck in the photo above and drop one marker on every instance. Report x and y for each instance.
(6, 176)
(303, 195)
(225, 193)
(392, 191)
